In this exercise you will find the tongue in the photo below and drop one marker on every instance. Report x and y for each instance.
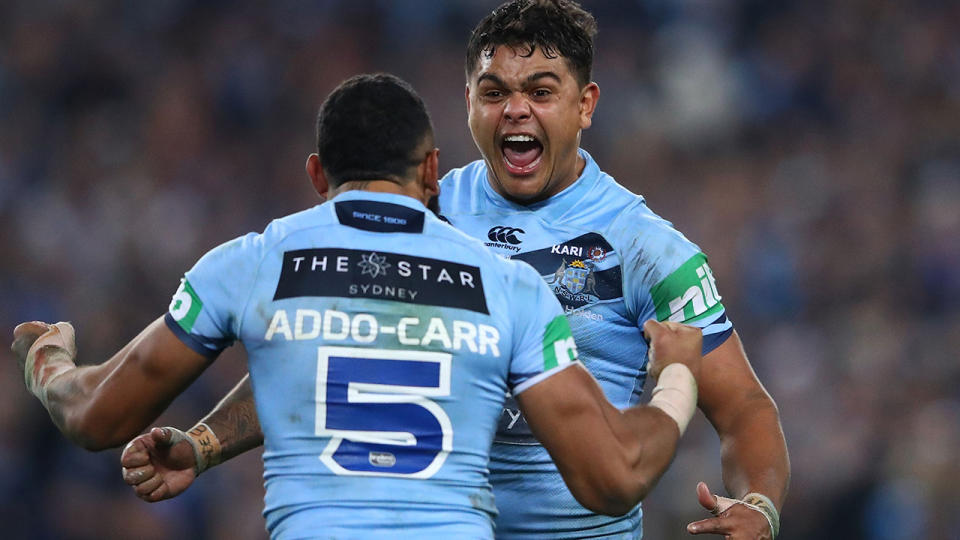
(522, 157)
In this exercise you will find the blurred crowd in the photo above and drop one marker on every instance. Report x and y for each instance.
(811, 148)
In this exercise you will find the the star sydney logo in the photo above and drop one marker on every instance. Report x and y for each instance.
(373, 265)
(351, 273)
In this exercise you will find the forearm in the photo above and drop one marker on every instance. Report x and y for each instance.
(754, 452)
(234, 421)
(657, 427)
(81, 401)
(649, 438)
(103, 406)
(753, 449)
(108, 404)
(637, 444)
(569, 414)
(68, 400)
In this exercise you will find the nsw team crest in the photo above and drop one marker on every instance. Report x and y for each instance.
(580, 271)
(575, 281)
(574, 278)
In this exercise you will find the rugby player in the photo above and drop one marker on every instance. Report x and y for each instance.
(381, 342)
(612, 263)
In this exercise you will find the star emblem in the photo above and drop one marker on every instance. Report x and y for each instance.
(373, 265)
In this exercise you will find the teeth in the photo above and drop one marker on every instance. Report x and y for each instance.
(519, 138)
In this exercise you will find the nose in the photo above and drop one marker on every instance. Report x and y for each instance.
(517, 108)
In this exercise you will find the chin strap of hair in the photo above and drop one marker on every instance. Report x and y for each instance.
(206, 447)
(676, 394)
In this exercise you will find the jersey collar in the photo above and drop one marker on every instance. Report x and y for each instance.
(559, 205)
(395, 198)
(379, 212)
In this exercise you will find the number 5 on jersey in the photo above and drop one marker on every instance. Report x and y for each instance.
(375, 407)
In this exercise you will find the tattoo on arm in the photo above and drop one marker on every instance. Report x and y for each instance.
(234, 421)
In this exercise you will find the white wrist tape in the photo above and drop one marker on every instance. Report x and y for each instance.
(206, 447)
(51, 355)
(754, 501)
(676, 394)
(763, 504)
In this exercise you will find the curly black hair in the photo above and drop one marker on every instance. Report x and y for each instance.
(557, 27)
(370, 127)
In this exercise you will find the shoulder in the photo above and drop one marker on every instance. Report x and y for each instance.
(460, 186)
(649, 245)
(657, 242)
(253, 246)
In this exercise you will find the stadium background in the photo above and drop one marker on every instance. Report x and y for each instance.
(811, 148)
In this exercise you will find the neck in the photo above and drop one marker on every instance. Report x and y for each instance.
(410, 189)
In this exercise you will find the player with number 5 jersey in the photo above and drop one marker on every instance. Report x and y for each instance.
(381, 341)
(380, 344)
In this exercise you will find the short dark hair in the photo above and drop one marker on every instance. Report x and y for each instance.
(370, 127)
(557, 27)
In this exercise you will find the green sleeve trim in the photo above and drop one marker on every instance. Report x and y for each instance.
(185, 306)
(688, 294)
(558, 345)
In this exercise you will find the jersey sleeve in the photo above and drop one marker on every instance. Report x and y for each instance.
(671, 279)
(542, 341)
(689, 295)
(206, 310)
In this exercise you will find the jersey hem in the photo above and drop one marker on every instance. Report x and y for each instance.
(541, 376)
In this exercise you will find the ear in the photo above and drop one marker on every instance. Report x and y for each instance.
(317, 177)
(428, 173)
(588, 104)
(466, 96)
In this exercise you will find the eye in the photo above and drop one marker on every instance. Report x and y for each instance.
(541, 93)
(493, 94)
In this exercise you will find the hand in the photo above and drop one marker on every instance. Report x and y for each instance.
(44, 352)
(160, 464)
(672, 342)
(733, 519)
(24, 336)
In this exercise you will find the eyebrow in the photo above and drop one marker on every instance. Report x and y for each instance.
(541, 74)
(532, 78)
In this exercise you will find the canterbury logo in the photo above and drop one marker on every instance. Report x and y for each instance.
(505, 235)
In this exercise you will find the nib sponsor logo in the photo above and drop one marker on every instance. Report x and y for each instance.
(504, 237)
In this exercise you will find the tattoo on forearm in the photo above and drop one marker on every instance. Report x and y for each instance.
(235, 422)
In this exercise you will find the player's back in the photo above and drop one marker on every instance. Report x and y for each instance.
(380, 345)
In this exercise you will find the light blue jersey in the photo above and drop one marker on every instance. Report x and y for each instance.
(613, 264)
(381, 342)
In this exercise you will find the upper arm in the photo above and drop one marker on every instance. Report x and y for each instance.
(131, 389)
(728, 385)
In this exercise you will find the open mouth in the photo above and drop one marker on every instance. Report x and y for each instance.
(521, 153)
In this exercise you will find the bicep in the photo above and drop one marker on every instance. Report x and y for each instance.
(142, 379)
(563, 407)
(728, 384)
